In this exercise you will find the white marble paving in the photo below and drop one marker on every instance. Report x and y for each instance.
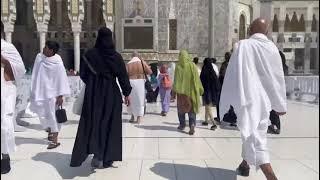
(155, 150)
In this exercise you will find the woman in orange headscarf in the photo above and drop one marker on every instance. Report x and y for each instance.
(165, 85)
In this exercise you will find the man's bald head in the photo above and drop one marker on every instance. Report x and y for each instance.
(259, 25)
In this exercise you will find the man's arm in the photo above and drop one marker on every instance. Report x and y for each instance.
(8, 74)
(59, 100)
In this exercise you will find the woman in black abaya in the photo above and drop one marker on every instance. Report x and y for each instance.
(100, 126)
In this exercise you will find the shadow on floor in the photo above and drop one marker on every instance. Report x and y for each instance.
(40, 128)
(35, 127)
(72, 122)
(169, 123)
(189, 172)
(227, 127)
(157, 127)
(164, 128)
(154, 113)
(61, 163)
(22, 140)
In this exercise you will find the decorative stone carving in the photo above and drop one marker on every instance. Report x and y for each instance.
(108, 15)
(41, 13)
(8, 17)
(76, 11)
(76, 15)
(144, 8)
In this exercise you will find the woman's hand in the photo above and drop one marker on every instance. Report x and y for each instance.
(127, 100)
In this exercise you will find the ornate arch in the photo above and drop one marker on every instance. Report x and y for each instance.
(314, 24)
(275, 24)
(242, 26)
(287, 26)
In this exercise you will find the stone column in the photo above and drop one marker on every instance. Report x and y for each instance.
(76, 15)
(42, 35)
(8, 30)
(308, 40)
(42, 16)
(42, 30)
(76, 43)
(211, 28)
(8, 36)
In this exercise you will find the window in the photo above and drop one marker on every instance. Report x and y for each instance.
(275, 24)
(172, 34)
(314, 24)
(242, 27)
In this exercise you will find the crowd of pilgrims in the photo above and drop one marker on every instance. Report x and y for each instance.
(109, 82)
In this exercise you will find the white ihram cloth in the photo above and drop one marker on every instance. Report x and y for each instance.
(49, 80)
(137, 94)
(215, 68)
(8, 102)
(8, 96)
(254, 85)
(10, 53)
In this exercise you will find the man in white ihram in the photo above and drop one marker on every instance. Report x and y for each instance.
(254, 85)
(48, 86)
(12, 70)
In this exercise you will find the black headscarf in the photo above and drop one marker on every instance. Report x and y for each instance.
(209, 82)
(103, 57)
(104, 42)
(207, 69)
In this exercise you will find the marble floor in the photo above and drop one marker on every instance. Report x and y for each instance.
(155, 150)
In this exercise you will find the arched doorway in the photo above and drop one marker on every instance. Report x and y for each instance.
(242, 27)
(24, 36)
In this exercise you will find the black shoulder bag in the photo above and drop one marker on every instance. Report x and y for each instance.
(147, 84)
(61, 115)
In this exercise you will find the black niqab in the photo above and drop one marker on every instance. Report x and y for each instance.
(103, 57)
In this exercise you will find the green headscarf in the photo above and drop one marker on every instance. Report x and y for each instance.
(187, 81)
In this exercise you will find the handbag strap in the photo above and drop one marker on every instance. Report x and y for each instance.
(144, 72)
(89, 65)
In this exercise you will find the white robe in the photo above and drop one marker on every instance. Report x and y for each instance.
(9, 52)
(171, 70)
(254, 85)
(8, 96)
(137, 94)
(216, 69)
(49, 80)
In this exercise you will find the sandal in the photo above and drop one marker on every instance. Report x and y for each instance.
(131, 119)
(108, 164)
(48, 130)
(213, 127)
(50, 137)
(53, 145)
(181, 127)
(205, 123)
